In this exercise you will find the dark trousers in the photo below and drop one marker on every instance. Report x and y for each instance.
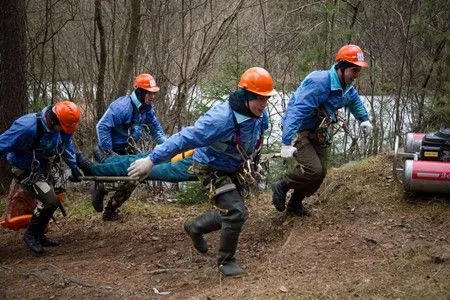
(223, 192)
(309, 167)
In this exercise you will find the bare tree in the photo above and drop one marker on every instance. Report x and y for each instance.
(101, 61)
(13, 88)
(132, 45)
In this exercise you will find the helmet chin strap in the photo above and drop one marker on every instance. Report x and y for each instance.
(342, 76)
(51, 119)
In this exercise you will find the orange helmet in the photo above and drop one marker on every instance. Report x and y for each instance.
(258, 81)
(352, 54)
(68, 115)
(147, 82)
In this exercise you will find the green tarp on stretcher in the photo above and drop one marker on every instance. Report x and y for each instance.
(117, 165)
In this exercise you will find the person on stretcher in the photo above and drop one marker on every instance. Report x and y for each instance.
(176, 170)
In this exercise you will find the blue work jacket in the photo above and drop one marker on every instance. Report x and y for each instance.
(214, 137)
(19, 141)
(123, 119)
(319, 89)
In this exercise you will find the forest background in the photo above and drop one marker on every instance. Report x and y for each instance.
(90, 52)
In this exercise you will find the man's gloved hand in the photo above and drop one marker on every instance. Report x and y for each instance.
(287, 151)
(366, 128)
(76, 174)
(140, 168)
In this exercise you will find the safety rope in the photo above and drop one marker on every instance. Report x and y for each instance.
(328, 127)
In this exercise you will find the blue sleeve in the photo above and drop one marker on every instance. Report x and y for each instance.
(21, 135)
(214, 126)
(69, 154)
(114, 116)
(356, 107)
(155, 127)
(303, 103)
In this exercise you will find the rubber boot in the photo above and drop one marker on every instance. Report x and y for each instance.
(205, 223)
(229, 238)
(295, 205)
(100, 155)
(44, 217)
(84, 163)
(48, 242)
(234, 214)
(280, 190)
(31, 235)
(110, 213)
(98, 194)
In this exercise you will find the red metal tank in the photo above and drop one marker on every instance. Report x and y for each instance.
(427, 176)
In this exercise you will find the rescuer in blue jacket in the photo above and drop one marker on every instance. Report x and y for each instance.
(32, 145)
(311, 109)
(119, 126)
(225, 139)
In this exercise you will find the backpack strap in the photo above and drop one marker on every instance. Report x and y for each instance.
(237, 129)
(39, 130)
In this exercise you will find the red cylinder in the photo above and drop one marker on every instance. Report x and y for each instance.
(427, 176)
(413, 142)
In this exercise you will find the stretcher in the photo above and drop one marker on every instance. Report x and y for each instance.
(108, 178)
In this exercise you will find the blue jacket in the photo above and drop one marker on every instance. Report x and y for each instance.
(214, 138)
(19, 141)
(319, 89)
(122, 119)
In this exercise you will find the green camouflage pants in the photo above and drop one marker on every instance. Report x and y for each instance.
(122, 193)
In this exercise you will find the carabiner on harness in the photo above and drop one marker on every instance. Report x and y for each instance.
(329, 127)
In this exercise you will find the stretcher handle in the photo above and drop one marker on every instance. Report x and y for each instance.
(108, 178)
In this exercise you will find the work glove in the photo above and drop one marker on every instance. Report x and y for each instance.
(287, 151)
(75, 175)
(141, 168)
(366, 128)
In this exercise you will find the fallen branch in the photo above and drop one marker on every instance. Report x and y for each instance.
(160, 271)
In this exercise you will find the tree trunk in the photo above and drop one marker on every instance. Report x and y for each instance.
(100, 94)
(13, 88)
(130, 55)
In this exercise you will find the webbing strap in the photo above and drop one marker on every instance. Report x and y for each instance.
(39, 130)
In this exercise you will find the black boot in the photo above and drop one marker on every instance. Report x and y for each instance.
(31, 235)
(295, 205)
(45, 215)
(234, 214)
(98, 194)
(110, 213)
(84, 163)
(48, 242)
(280, 190)
(100, 155)
(229, 238)
(205, 223)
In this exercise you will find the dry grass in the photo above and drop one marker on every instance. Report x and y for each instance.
(365, 240)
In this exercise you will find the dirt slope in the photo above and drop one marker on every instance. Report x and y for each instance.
(364, 240)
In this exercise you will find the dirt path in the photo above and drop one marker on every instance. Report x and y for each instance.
(362, 241)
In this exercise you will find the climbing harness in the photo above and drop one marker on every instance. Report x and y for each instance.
(330, 125)
(249, 175)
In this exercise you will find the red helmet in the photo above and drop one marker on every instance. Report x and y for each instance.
(68, 115)
(147, 82)
(352, 54)
(257, 80)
